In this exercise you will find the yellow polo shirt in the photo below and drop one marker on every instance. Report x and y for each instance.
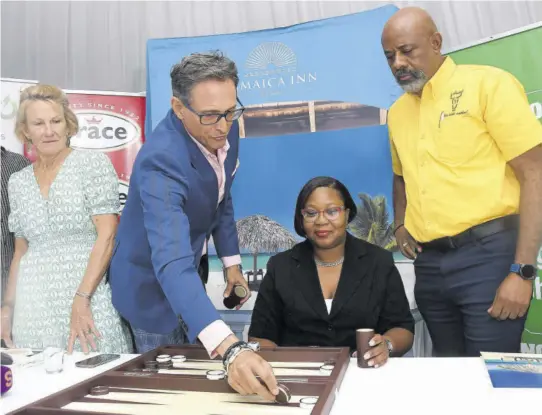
(452, 146)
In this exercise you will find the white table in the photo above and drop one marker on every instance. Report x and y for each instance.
(31, 384)
(405, 386)
(429, 386)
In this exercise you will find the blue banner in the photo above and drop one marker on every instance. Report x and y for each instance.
(339, 58)
(317, 95)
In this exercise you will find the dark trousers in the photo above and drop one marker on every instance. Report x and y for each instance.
(454, 289)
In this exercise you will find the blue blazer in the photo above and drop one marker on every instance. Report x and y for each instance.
(170, 211)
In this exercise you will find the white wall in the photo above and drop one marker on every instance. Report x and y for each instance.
(100, 45)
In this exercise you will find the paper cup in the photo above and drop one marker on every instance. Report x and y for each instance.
(363, 337)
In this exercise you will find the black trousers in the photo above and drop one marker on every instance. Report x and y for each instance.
(455, 288)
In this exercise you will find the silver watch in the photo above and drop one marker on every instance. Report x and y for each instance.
(389, 345)
(255, 346)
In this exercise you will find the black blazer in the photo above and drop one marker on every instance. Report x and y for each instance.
(290, 309)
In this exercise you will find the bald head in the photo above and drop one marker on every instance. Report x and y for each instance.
(412, 45)
(410, 19)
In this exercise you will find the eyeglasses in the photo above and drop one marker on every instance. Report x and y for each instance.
(210, 119)
(331, 214)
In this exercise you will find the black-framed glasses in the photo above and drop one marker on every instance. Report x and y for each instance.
(331, 214)
(213, 118)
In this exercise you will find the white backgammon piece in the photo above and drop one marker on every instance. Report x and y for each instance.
(178, 358)
(327, 369)
(163, 358)
(308, 402)
(216, 374)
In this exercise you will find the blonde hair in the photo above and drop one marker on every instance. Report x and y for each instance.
(42, 92)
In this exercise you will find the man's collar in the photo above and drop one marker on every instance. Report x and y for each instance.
(442, 76)
(204, 150)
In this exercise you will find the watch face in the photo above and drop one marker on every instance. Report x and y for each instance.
(255, 346)
(528, 272)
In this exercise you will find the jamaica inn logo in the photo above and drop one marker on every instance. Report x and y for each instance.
(272, 66)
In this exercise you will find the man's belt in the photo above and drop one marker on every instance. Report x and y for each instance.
(475, 233)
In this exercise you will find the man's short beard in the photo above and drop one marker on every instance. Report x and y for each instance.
(414, 86)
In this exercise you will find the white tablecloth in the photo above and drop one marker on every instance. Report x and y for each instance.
(430, 386)
(33, 383)
(417, 386)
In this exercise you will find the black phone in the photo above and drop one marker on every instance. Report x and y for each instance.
(97, 360)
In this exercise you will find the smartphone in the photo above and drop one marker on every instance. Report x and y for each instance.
(98, 360)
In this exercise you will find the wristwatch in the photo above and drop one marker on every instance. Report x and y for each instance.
(255, 346)
(525, 271)
(389, 345)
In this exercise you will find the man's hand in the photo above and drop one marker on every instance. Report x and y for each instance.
(243, 373)
(235, 277)
(406, 243)
(512, 299)
(244, 369)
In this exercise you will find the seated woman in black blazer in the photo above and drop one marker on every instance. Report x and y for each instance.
(323, 289)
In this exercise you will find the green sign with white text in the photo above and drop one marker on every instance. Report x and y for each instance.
(521, 55)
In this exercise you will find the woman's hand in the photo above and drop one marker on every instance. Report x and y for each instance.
(82, 325)
(378, 354)
(7, 315)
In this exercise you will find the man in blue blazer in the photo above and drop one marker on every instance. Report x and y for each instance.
(179, 197)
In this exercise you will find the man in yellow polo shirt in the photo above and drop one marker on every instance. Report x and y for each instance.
(467, 190)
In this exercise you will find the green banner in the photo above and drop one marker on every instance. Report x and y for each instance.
(519, 54)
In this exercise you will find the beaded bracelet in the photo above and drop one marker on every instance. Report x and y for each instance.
(226, 355)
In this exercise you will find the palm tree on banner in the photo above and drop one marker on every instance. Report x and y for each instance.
(260, 234)
(372, 222)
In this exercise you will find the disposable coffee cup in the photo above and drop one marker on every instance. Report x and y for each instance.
(363, 337)
(237, 294)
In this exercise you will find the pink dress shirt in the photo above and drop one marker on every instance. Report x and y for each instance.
(216, 332)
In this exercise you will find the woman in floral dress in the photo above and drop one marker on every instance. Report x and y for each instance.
(64, 211)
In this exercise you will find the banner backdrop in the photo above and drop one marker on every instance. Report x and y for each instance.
(316, 96)
(11, 89)
(112, 123)
(518, 53)
(339, 58)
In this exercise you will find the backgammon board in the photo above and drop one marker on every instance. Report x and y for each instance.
(183, 380)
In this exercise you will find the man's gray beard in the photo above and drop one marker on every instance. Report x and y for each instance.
(416, 86)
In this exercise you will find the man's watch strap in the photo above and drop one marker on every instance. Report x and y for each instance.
(525, 271)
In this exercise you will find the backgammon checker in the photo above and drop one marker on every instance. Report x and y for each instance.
(308, 380)
(284, 394)
(99, 390)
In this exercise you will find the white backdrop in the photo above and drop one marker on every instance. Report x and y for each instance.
(100, 45)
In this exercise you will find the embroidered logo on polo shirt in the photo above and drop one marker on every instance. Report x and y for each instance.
(454, 98)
